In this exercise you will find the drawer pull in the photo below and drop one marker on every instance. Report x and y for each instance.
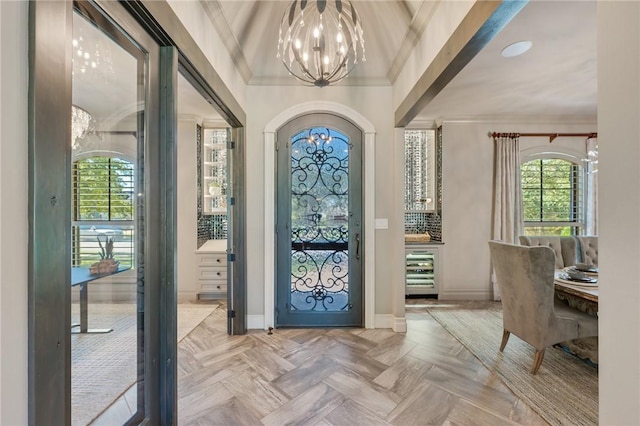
(218, 273)
(218, 260)
(218, 287)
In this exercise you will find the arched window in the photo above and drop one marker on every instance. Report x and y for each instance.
(552, 197)
(103, 206)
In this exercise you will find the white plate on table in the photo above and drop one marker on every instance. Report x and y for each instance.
(591, 282)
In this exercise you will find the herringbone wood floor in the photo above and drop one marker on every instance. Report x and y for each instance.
(339, 377)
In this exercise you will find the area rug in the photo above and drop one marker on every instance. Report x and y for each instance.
(103, 366)
(565, 390)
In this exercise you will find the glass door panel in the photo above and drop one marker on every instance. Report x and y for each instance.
(319, 221)
(319, 239)
(107, 231)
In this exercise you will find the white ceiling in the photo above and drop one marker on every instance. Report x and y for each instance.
(250, 30)
(557, 77)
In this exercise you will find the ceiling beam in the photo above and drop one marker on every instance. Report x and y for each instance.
(479, 26)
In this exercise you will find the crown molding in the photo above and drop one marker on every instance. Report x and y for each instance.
(412, 37)
(215, 124)
(214, 12)
(190, 117)
(521, 119)
(423, 123)
(204, 122)
(292, 81)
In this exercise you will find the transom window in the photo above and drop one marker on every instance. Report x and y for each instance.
(552, 197)
(103, 207)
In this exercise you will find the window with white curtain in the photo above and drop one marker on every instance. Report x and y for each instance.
(553, 200)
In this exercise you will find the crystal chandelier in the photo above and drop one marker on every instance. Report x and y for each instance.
(592, 157)
(80, 121)
(320, 41)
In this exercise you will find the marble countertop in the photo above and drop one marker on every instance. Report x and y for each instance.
(213, 246)
(424, 243)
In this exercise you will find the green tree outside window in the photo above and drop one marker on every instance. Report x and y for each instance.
(551, 197)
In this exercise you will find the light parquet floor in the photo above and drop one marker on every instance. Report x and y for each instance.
(339, 377)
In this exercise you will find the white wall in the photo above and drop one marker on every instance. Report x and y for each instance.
(13, 212)
(187, 209)
(266, 102)
(619, 211)
(467, 188)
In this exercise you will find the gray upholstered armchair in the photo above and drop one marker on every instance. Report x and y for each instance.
(529, 309)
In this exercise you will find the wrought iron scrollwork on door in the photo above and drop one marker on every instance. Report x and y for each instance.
(319, 215)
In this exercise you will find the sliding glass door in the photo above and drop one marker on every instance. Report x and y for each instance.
(108, 223)
(100, 209)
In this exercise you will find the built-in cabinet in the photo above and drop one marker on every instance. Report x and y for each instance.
(422, 269)
(214, 171)
(212, 270)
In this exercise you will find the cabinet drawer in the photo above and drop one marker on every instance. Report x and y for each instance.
(212, 273)
(212, 259)
(211, 286)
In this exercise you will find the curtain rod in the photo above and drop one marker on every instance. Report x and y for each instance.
(551, 136)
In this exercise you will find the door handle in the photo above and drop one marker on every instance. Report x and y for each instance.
(357, 246)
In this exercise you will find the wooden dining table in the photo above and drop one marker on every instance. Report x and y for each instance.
(585, 299)
(579, 296)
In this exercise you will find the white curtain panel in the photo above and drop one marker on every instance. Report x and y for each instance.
(507, 196)
(592, 187)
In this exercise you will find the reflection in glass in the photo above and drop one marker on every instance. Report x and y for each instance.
(106, 196)
(319, 221)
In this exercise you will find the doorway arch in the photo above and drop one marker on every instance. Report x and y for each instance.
(368, 186)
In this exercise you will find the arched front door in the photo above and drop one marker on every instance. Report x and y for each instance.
(319, 241)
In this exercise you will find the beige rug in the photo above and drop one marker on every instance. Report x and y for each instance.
(103, 366)
(565, 390)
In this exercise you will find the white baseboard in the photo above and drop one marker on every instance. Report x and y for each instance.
(465, 295)
(384, 321)
(187, 296)
(399, 324)
(255, 322)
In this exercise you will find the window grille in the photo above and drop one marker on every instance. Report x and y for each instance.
(552, 197)
(102, 206)
(419, 164)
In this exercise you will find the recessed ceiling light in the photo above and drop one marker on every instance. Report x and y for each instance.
(517, 48)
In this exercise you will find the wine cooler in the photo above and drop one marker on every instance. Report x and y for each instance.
(421, 266)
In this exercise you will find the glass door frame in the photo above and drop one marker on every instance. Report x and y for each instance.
(354, 316)
(196, 75)
(49, 335)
